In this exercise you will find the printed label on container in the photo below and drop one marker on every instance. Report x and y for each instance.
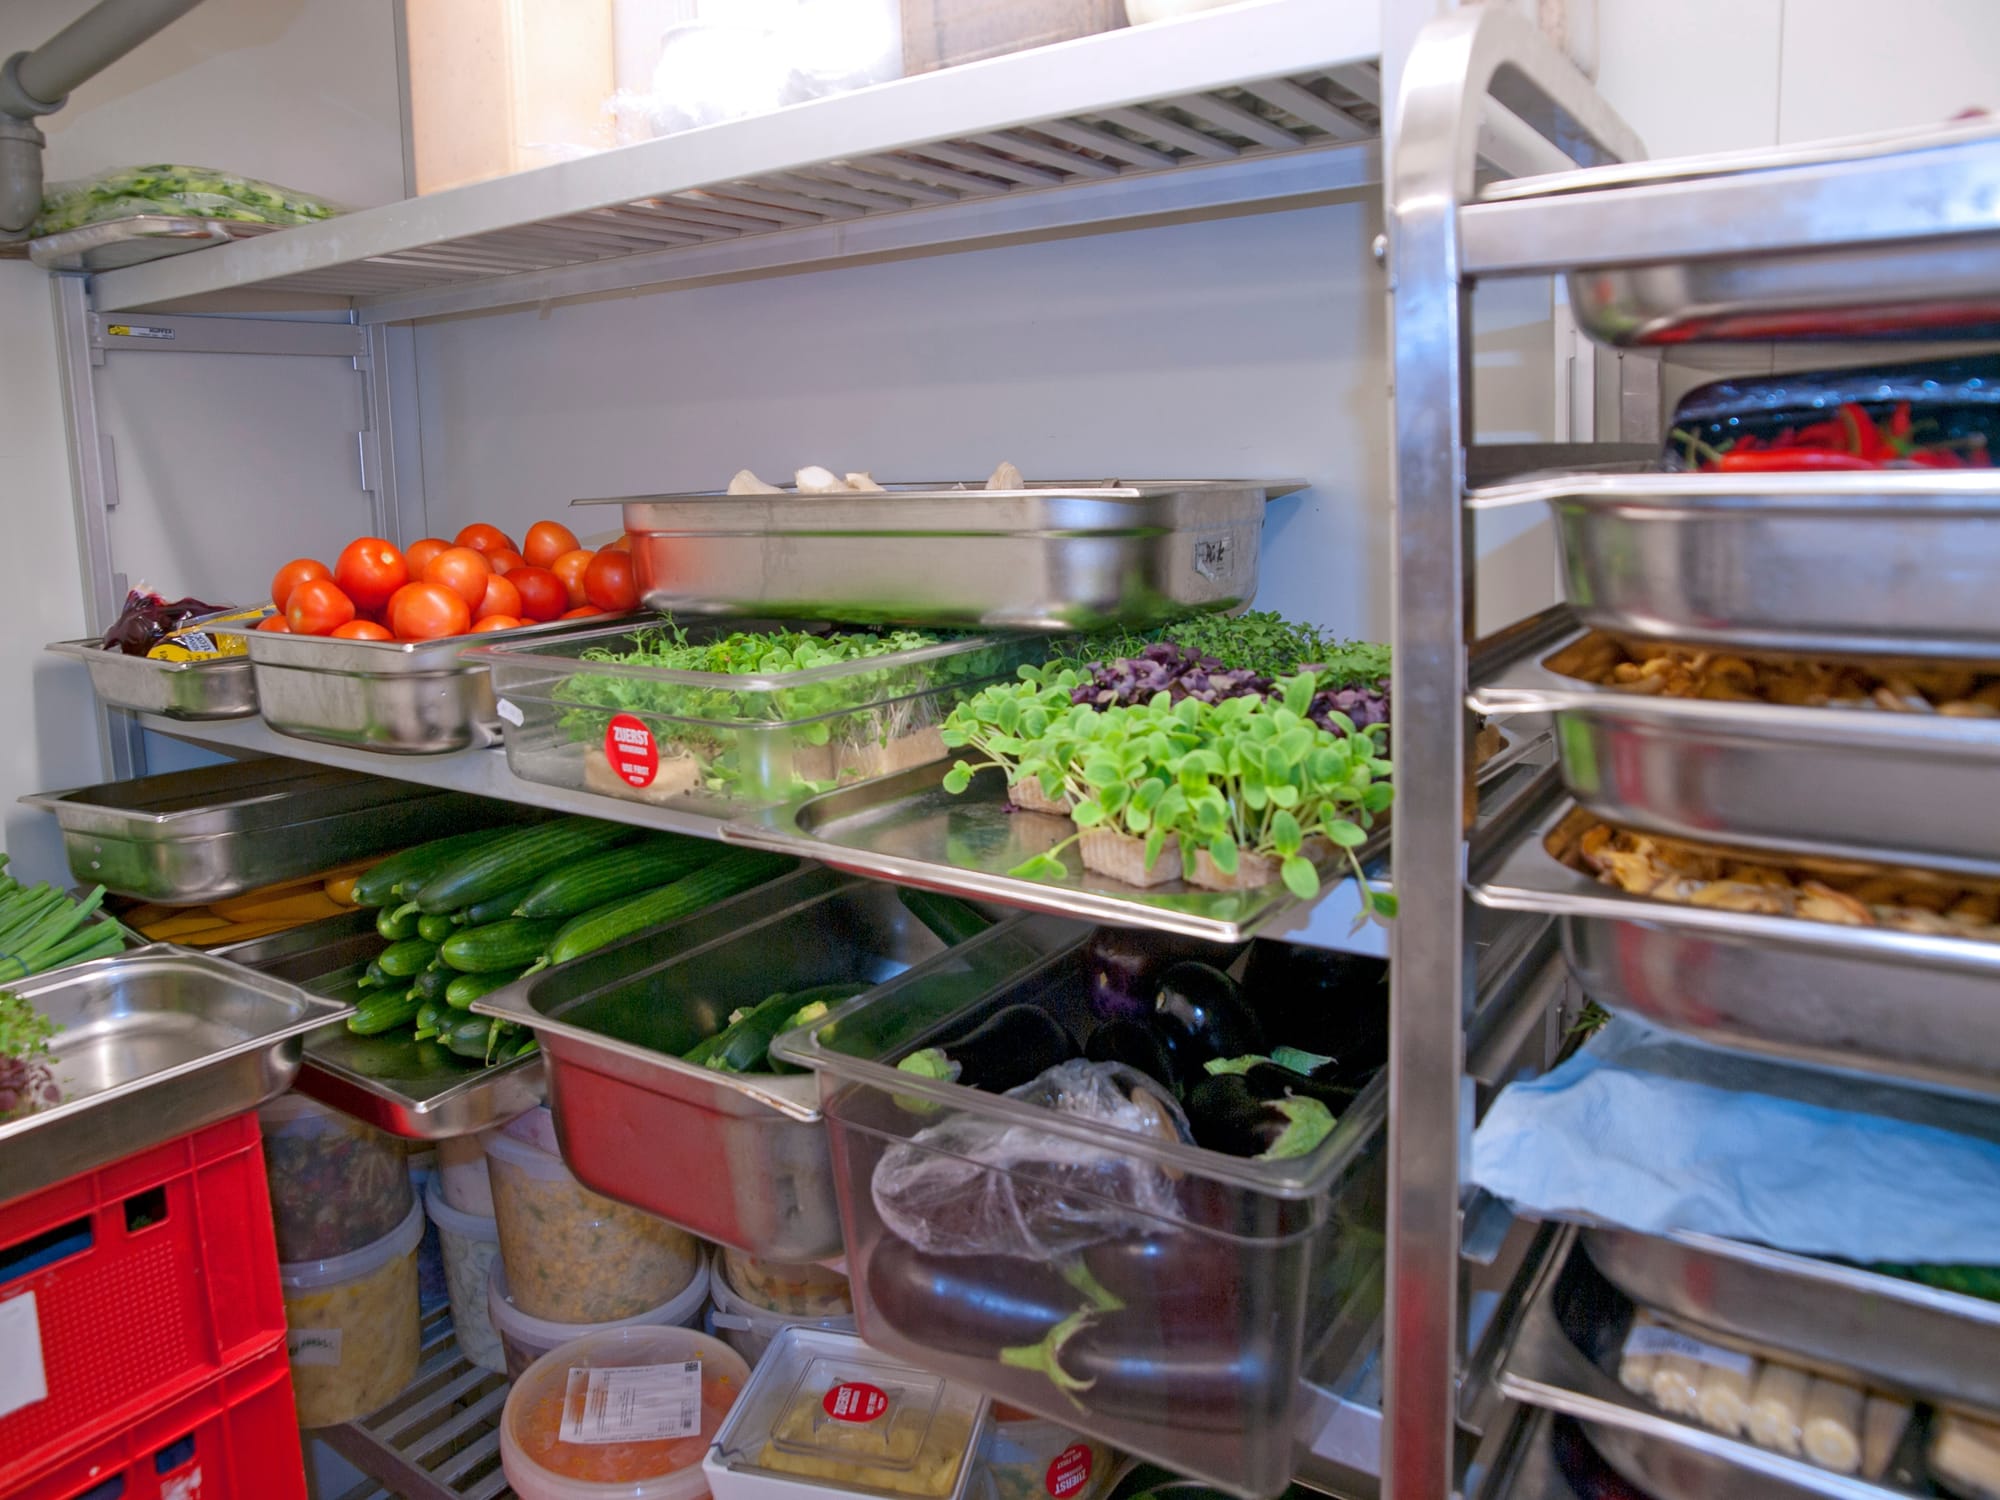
(506, 709)
(1069, 1471)
(22, 1381)
(1652, 1338)
(628, 745)
(313, 1346)
(855, 1401)
(632, 1403)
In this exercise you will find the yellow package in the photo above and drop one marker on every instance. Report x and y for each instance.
(196, 640)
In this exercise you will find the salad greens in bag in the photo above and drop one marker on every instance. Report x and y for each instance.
(184, 192)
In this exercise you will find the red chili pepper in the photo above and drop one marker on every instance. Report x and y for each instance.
(1822, 435)
(1899, 422)
(1865, 439)
(1784, 460)
(1937, 458)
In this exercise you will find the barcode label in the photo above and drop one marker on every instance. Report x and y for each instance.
(632, 1403)
(1653, 1338)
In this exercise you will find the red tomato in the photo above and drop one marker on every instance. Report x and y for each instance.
(608, 582)
(570, 569)
(419, 554)
(623, 544)
(425, 611)
(299, 570)
(483, 538)
(543, 596)
(547, 541)
(582, 612)
(461, 570)
(318, 607)
(369, 571)
(362, 630)
(500, 598)
(503, 561)
(497, 622)
(275, 623)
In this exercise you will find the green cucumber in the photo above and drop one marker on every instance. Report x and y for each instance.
(616, 873)
(428, 1019)
(470, 1036)
(734, 872)
(435, 929)
(396, 924)
(379, 1013)
(745, 1046)
(495, 909)
(466, 988)
(380, 884)
(524, 855)
(498, 946)
(406, 960)
(431, 983)
(950, 919)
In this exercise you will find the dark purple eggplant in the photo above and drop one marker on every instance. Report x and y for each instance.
(1267, 1080)
(1199, 1016)
(1013, 1045)
(1227, 1115)
(968, 1304)
(1334, 1004)
(1191, 1283)
(1118, 1364)
(1125, 964)
(1134, 1044)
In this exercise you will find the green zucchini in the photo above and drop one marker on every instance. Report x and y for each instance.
(616, 873)
(498, 946)
(495, 909)
(745, 1045)
(734, 872)
(396, 924)
(949, 918)
(524, 855)
(406, 960)
(435, 929)
(382, 883)
(379, 1013)
(466, 988)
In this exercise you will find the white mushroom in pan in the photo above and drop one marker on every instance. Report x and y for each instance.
(743, 482)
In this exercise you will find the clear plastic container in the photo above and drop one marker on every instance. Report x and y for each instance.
(825, 1413)
(1233, 1275)
(1025, 1458)
(336, 1184)
(574, 1256)
(462, 1173)
(721, 742)
(351, 1326)
(470, 1245)
(433, 1290)
(750, 1327)
(626, 1413)
(525, 1339)
(806, 1291)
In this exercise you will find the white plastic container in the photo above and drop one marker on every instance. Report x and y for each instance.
(470, 1245)
(336, 1184)
(525, 1339)
(749, 1328)
(1025, 1458)
(620, 1415)
(462, 1170)
(574, 1256)
(351, 1323)
(827, 1415)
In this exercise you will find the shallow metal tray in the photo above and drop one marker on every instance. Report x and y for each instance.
(1841, 782)
(149, 1045)
(1574, 1325)
(134, 240)
(1894, 563)
(187, 837)
(1905, 1336)
(220, 689)
(1858, 999)
(749, 1165)
(1054, 556)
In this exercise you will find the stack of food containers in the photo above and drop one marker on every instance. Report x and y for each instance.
(756, 1299)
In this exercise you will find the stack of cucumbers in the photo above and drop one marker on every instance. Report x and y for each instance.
(467, 914)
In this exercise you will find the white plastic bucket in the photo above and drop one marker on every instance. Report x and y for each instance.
(525, 1339)
(352, 1331)
(470, 1245)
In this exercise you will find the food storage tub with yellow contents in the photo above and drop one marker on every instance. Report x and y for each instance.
(574, 1256)
(351, 1326)
(336, 1184)
(755, 1300)
(525, 1339)
(825, 1413)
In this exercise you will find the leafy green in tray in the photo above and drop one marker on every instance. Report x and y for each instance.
(1261, 641)
(183, 192)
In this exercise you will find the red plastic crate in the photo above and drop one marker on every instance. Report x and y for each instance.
(235, 1438)
(150, 1277)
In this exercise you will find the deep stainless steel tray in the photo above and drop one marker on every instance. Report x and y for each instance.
(1548, 1367)
(149, 1045)
(1914, 1006)
(1052, 556)
(749, 1165)
(1892, 563)
(1903, 1335)
(1840, 782)
(192, 836)
(134, 240)
(220, 689)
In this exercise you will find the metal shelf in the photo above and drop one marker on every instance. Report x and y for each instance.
(1268, 102)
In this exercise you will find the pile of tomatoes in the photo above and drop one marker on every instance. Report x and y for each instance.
(479, 581)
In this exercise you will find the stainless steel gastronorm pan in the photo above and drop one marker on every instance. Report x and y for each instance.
(186, 837)
(1045, 557)
(1896, 563)
(1914, 1006)
(149, 1045)
(219, 689)
(1902, 788)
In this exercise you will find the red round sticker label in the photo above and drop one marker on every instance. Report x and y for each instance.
(628, 745)
(1069, 1471)
(855, 1401)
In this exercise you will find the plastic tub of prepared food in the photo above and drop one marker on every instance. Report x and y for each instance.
(462, 1172)
(749, 1325)
(824, 1412)
(351, 1325)
(433, 1289)
(1026, 1458)
(525, 1339)
(804, 1290)
(336, 1184)
(626, 1413)
(574, 1256)
(470, 1245)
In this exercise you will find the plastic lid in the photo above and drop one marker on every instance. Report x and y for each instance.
(540, 1333)
(303, 1275)
(456, 1220)
(627, 1412)
(528, 1144)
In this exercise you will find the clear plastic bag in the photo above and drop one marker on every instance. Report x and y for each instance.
(975, 1186)
(184, 192)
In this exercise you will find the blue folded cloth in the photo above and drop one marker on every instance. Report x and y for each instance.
(1649, 1132)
